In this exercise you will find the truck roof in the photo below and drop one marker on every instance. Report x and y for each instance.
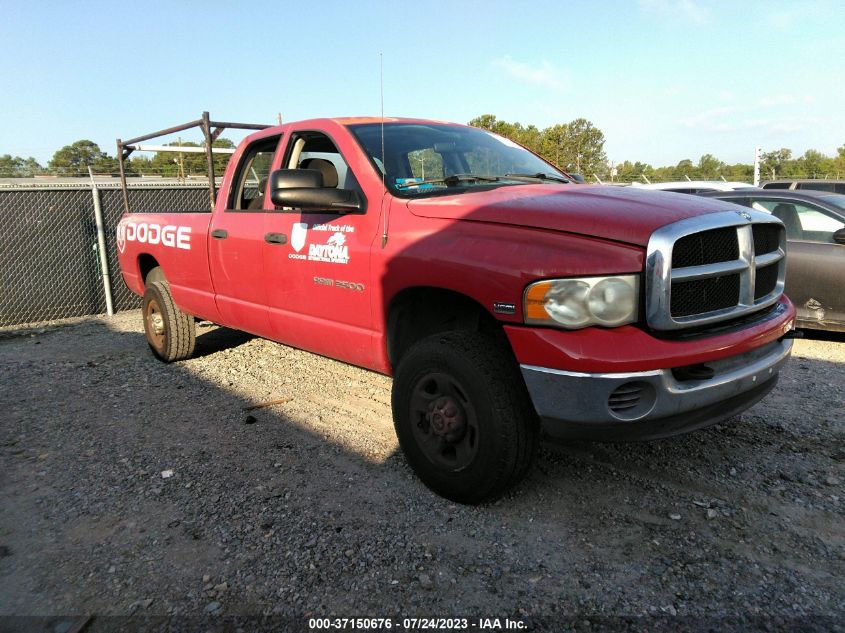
(364, 119)
(361, 120)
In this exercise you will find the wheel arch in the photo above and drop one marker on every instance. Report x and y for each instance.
(149, 269)
(420, 311)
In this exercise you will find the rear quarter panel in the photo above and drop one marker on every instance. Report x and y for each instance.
(179, 243)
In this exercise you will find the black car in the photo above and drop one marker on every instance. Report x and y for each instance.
(814, 184)
(815, 263)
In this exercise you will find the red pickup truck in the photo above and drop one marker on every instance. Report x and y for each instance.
(500, 296)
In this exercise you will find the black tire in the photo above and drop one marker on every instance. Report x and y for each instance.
(463, 416)
(170, 333)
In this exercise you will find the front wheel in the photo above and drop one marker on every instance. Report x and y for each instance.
(463, 416)
(170, 332)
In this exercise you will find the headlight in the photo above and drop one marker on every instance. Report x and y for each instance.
(577, 303)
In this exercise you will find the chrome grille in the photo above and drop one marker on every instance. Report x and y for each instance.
(718, 245)
(700, 295)
(713, 268)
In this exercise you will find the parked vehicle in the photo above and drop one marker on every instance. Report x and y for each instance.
(815, 268)
(802, 184)
(694, 186)
(494, 291)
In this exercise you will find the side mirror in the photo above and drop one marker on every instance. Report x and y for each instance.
(839, 236)
(303, 189)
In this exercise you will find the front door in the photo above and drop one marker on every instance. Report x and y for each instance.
(318, 280)
(814, 262)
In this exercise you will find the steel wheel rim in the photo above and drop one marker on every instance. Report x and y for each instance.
(443, 421)
(154, 325)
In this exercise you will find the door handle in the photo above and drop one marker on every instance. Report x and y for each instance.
(276, 238)
(219, 234)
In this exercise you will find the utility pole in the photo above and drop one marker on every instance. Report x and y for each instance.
(757, 167)
(180, 164)
(101, 245)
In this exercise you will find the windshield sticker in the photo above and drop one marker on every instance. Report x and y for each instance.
(151, 233)
(408, 183)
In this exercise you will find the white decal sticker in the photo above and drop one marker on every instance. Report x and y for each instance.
(150, 233)
(334, 228)
(121, 235)
(298, 235)
(333, 251)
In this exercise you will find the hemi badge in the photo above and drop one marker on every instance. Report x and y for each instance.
(504, 308)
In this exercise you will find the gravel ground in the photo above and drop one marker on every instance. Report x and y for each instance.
(128, 486)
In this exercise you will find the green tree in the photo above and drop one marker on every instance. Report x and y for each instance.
(585, 148)
(683, 169)
(626, 171)
(839, 163)
(554, 144)
(774, 163)
(575, 146)
(740, 172)
(74, 160)
(485, 122)
(530, 137)
(710, 167)
(17, 167)
(815, 164)
(138, 166)
(171, 164)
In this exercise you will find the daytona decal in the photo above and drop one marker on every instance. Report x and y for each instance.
(333, 250)
(150, 233)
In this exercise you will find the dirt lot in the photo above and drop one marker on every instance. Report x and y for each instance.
(130, 486)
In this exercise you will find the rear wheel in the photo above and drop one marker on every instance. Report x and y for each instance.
(170, 333)
(463, 416)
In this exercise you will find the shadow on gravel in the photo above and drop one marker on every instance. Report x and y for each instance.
(129, 486)
(210, 341)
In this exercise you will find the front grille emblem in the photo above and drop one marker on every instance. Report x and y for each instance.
(744, 214)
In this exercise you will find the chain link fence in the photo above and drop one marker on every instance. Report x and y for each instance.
(49, 260)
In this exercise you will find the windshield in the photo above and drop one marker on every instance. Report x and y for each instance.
(429, 158)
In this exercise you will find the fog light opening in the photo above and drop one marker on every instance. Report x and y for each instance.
(632, 400)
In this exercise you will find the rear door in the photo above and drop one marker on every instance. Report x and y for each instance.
(236, 243)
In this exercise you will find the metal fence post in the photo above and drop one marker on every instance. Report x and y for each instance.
(101, 245)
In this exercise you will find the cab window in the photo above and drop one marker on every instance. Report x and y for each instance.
(315, 150)
(250, 181)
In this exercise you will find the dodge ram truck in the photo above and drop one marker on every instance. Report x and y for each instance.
(504, 300)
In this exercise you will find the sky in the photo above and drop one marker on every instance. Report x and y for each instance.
(664, 80)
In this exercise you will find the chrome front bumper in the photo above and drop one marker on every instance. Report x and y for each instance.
(651, 404)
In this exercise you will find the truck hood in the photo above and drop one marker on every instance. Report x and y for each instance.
(621, 214)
